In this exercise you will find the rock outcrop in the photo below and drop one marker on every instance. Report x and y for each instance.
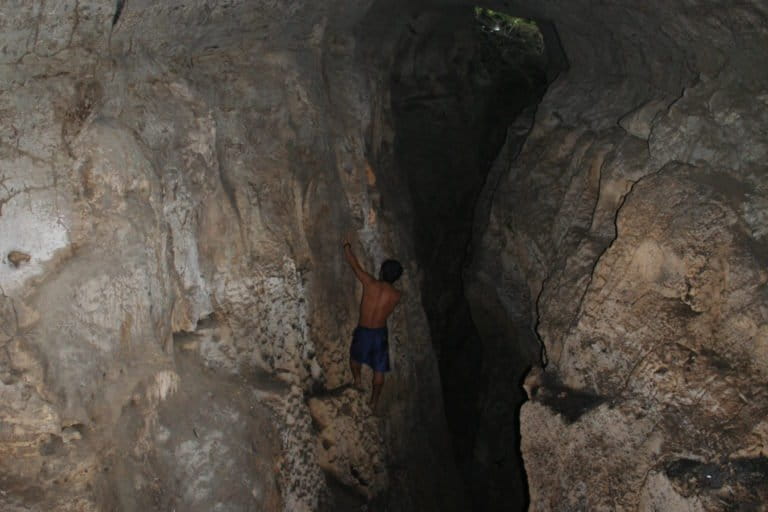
(627, 233)
(176, 179)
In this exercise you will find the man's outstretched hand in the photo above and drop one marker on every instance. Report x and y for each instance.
(349, 255)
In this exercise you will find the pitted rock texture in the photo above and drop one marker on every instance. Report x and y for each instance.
(689, 379)
(349, 442)
(176, 179)
(629, 226)
(193, 429)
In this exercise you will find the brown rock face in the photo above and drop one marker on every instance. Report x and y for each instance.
(667, 346)
(175, 312)
(176, 179)
(626, 234)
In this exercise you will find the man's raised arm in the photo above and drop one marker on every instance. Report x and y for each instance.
(361, 274)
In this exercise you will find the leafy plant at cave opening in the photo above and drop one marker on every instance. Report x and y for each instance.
(513, 47)
(519, 33)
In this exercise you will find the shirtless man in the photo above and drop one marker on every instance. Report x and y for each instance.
(369, 342)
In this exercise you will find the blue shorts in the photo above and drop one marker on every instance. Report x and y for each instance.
(370, 346)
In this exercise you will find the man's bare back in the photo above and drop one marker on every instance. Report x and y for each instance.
(369, 344)
(378, 302)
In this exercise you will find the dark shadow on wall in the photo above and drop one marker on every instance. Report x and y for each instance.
(456, 86)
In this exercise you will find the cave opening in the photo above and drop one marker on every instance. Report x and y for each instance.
(464, 88)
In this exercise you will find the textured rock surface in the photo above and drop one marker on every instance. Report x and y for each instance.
(176, 177)
(628, 233)
(349, 443)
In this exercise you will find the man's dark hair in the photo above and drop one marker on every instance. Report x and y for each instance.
(391, 270)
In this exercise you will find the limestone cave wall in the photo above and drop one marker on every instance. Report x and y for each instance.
(176, 179)
(625, 254)
(177, 176)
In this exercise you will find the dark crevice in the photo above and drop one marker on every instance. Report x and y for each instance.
(457, 90)
(118, 11)
(570, 403)
(743, 476)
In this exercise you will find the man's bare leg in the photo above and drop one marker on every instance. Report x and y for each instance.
(378, 382)
(355, 367)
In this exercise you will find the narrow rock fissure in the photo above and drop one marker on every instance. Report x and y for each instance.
(460, 80)
(119, 5)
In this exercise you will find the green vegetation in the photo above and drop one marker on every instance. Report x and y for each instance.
(519, 32)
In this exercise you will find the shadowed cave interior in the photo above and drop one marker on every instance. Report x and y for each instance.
(461, 77)
(577, 191)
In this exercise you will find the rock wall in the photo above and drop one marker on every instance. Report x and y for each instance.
(175, 309)
(176, 177)
(625, 250)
